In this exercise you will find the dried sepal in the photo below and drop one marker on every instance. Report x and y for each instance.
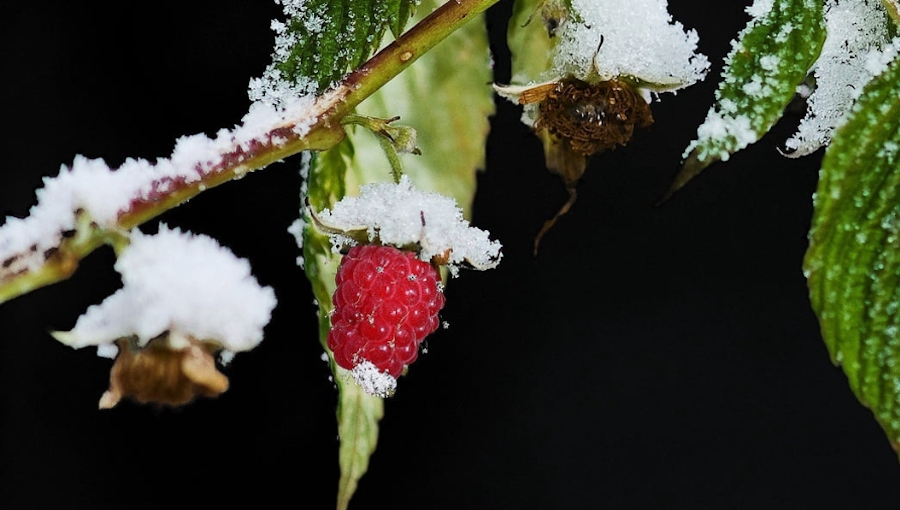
(576, 119)
(346, 236)
(171, 370)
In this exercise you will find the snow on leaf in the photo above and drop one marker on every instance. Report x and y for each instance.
(602, 40)
(856, 30)
(853, 260)
(770, 58)
(322, 39)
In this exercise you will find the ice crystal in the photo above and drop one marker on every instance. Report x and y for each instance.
(374, 382)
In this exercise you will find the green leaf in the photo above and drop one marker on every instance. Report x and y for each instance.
(853, 261)
(447, 98)
(358, 417)
(327, 172)
(770, 58)
(327, 38)
(399, 12)
(528, 38)
(893, 9)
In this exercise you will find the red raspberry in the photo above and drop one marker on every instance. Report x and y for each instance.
(386, 302)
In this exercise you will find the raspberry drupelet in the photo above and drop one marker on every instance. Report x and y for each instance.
(386, 302)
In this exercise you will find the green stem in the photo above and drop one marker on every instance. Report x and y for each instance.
(893, 9)
(414, 43)
(393, 140)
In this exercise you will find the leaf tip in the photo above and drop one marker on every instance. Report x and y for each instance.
(690, 169)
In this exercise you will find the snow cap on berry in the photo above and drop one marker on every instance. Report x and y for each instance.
(404, 216)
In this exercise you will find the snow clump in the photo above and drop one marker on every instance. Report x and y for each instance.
(402, 215)
(636, 39)
(180, 282)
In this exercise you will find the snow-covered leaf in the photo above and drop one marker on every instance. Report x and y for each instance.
(323, 39)
(427, 223)
(180, 282)
(637, 40)
(856, 47)
(601, 40)
(853, 261)
(770, 58)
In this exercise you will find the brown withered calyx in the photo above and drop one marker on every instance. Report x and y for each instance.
(593, 117)
(164, 372)
(577, 119)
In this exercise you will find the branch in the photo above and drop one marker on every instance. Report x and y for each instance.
(45, 247)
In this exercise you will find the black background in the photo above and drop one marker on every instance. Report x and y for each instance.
(649, 357)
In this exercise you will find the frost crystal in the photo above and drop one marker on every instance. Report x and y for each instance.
(723, 127)
(272, 88)
(180, 282)
(379, 384)
(637, 39)
(760, 8)
(856, 30)
(401, 215)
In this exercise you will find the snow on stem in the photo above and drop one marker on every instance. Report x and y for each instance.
(77, 210)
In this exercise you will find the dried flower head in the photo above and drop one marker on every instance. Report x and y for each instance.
(590, 117)
(169, 370)
(577, 119)
(586, 76)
